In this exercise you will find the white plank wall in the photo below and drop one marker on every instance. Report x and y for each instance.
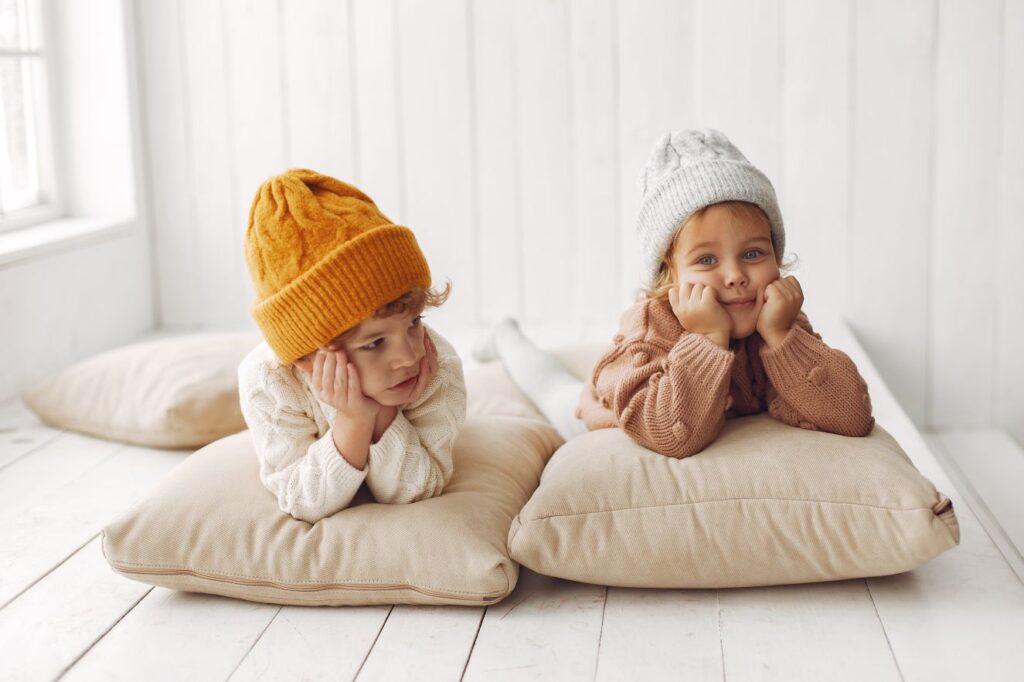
(891, 190)
(377, 128)
(655, 83)
(212, 182)
(1009, 326)
(495, 87)
(593, 133)
(544, 141)
(965, 210)
(738, 76)
(814, 179)
(509, 137)
(437, 166)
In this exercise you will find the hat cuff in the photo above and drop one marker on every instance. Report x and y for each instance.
(690, 189)
(343, 289)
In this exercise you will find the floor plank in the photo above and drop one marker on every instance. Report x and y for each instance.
(314, 643)
(660, 635)
(48, 627)
(423, 643)
(56, 499)
(800, 632)
(547, 629)
(958, 617)
(988, 468)
(961, 615)
(176, 636)
(21, 432)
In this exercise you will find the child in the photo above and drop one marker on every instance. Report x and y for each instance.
(718, 332)
(350, 385)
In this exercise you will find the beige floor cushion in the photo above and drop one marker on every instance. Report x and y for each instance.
(177, 392)
(212, 527)
(765, 504)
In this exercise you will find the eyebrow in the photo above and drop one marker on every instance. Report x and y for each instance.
(368, 335)
(704, 245)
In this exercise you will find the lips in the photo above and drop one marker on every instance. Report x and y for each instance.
(408, 383)
(740, 302)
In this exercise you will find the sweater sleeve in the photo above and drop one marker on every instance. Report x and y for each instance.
(413, 459)
(671, 402)
(814, 386)
(307, 475)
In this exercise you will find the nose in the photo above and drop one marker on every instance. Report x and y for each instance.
(734, 276)
(404, 354)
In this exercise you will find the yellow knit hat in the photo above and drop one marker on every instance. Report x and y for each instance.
(323, 258)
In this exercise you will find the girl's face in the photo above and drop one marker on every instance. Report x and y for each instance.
(386, 352)
(729, 250)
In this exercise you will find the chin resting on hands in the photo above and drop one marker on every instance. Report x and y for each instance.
(697, 308)
(335, 381)
(783, 300)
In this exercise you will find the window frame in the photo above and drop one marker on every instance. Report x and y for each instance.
(44, 89)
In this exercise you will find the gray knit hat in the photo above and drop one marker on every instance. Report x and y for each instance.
(687, 171)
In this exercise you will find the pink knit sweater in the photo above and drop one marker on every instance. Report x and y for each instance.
(672, 390)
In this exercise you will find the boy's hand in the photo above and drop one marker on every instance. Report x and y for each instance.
(697, 308)
(335, 381)
(783, 299)
(428, 368)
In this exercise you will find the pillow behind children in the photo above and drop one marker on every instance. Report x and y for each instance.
(211, 526)
(177, 392)
(764, 504)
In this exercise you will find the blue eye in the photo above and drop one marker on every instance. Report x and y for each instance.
(706, 260)
(753, 253)
(373, 345)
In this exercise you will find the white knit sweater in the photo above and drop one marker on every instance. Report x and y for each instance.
(299, 462)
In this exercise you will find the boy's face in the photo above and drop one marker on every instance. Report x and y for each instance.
(732, 254)
(386, 352)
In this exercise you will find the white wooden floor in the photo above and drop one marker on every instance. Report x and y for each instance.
(64, 614)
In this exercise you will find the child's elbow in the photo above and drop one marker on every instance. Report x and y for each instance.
(302, 513)
(309, 510)
(859, 422)
(852, 425)
(678, 441)
(392, 492)
(863, 426)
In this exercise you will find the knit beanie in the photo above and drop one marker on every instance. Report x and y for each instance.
(687, 171)
(323, 258)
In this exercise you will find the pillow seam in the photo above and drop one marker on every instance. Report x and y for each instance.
(730, 499)
(214, 575)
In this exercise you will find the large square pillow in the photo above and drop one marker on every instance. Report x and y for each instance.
(764, 504)
(211, 526)
(177, 392)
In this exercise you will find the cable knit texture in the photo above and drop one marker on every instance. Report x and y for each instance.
(323, 258)
(299, 462)
(671, 390)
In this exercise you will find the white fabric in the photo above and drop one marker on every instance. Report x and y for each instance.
(552, 388)
(299, 462)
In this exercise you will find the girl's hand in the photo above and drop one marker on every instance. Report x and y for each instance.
(428, 368)
(783, 299)
(697, 308)
(335, 381)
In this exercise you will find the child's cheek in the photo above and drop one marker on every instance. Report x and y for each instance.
(698, 278)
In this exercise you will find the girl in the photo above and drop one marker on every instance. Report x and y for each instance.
(349, 385)
(717, 333)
